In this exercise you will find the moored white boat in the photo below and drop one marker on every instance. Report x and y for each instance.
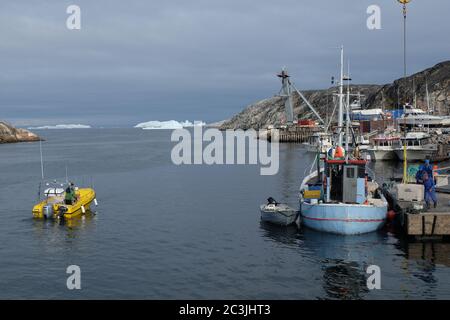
(319, 140)
(414, 117)
(418, 147)
(383, 148)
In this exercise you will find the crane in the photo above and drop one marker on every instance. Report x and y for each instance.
(287, 87)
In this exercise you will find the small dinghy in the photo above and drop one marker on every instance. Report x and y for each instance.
(278, 213)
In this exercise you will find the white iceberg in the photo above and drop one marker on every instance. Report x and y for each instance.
(62, 126)
(168, 125)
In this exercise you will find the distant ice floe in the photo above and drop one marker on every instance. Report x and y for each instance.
(62, 126)
(168, 125)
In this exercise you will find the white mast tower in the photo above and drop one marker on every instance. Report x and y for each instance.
(341, 99)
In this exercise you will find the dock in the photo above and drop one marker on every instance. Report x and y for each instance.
(296, 134)
(431, 223)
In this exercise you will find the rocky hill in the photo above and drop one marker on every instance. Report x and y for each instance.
(9, 134)
(413, 89)
(271, 111)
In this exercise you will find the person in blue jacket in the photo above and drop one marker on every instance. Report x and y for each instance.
(422, 169)
(430, 189)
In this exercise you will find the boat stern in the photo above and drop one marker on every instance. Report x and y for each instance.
(85, 197)
(38, 210)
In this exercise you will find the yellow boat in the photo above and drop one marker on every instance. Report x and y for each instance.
(53, 206)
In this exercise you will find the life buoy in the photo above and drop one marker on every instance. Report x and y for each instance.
(339, 153)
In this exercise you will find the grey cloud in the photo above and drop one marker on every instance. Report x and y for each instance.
(198, 59)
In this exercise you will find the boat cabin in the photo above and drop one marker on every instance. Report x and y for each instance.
(415, 139)
(345, 181)
(319, 138)
(386, 141)
(409, 110)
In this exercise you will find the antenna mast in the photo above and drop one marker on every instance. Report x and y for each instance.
(286, 92)
(287, 88)
(42, 162)
(347, 115)
(341, 98)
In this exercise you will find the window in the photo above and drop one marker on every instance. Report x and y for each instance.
(351, 173)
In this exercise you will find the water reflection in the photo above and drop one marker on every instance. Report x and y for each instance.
(343, 259)
(424, 258)
(345, 280)
(56, 231)
(284, 235)
(433, 253)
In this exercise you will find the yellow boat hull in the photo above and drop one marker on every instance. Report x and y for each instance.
(85, 197)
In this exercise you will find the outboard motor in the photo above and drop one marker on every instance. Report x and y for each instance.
(272, 201)
(48, 211)
(62, 211)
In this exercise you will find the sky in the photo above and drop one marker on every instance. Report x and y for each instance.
(140, 60)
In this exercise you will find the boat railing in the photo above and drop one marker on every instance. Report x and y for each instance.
(443, 169)
(313, 166)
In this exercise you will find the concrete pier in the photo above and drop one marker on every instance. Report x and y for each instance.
(431, 223)
(293, 134)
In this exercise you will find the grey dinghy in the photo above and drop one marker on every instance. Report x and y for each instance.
(278, 213)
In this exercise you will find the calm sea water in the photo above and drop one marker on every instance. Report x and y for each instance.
(165, 231)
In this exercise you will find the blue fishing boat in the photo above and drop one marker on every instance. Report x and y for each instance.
(342, 199)
(340, 196)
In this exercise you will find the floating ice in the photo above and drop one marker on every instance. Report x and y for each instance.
(62, 126)
(167, 125)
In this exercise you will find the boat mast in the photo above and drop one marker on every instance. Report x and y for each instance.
(428, 97)
(341, 98)
(42, 162)
(428, 103)
(347, 115)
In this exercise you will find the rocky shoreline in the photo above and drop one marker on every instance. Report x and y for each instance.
(9, 134)
(271, 111)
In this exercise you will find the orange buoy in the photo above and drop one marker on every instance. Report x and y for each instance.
(390, 215)
(339, 153)
(435, 170)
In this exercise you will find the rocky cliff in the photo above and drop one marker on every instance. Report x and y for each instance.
(271, 111)
(413, 90)
(9, 134)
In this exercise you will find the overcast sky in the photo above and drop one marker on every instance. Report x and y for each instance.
(135, 61)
